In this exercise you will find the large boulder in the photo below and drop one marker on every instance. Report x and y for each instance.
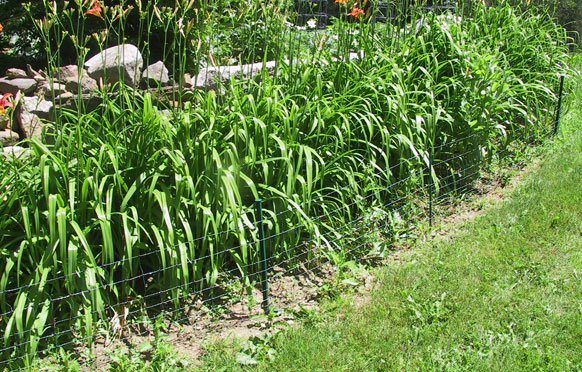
(89, 102)
(83, 86)
(118, 63)
(14, 85)
(156, 74)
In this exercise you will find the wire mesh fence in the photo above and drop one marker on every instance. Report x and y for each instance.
(395, 210)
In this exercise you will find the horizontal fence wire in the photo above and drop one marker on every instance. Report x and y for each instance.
(226, 273)
(306, 257)
(218, 234)
(339, 190)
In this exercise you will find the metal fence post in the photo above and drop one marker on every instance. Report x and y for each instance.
(559, 109)
(431, 185)
(263, 254)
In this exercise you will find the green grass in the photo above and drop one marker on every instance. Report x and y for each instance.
(504, 293)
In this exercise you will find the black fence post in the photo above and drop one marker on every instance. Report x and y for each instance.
(263, 254)
(559, 109)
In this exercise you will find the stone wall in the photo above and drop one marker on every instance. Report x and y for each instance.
(73, 84)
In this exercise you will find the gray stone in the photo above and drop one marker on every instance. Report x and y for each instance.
(40, 107)
(69, 75)
(27, 123)
(86, 85)
(32, 73)
(118, 63)
(51, 90)
(16, 73)
(15, 152)
(14, 85)
(66, 73)
(188, 83)
(213, 77)
(8, 138)
(89, 101)
(64, 96)
(156, 74)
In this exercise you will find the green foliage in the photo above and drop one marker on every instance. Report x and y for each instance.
(151, 357)
(503, 292)
(131, 210)
(567, 13)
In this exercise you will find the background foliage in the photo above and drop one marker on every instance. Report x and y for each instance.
(232, 22)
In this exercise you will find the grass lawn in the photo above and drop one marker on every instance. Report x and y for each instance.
(503, 293)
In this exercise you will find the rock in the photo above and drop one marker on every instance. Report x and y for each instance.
(40, 107)
(188, 83)
(212, 77)
(64, 96)
(32, 73)
(167, 114)
(8, 138)
(14, 85)
(155, 74)
(70, 101)
(51, 90)
(86, 85)
(69, 75)
(27, 123)
(16, 73)
(118, 63)
(66, 73)
(15, 152)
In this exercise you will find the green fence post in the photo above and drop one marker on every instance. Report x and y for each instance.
(559, 109)
(263, 254)
(431, 186)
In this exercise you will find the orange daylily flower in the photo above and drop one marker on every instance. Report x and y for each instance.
(356, 12)
(5, 102)
(1, 27)
(95, 10)
(342, 2)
